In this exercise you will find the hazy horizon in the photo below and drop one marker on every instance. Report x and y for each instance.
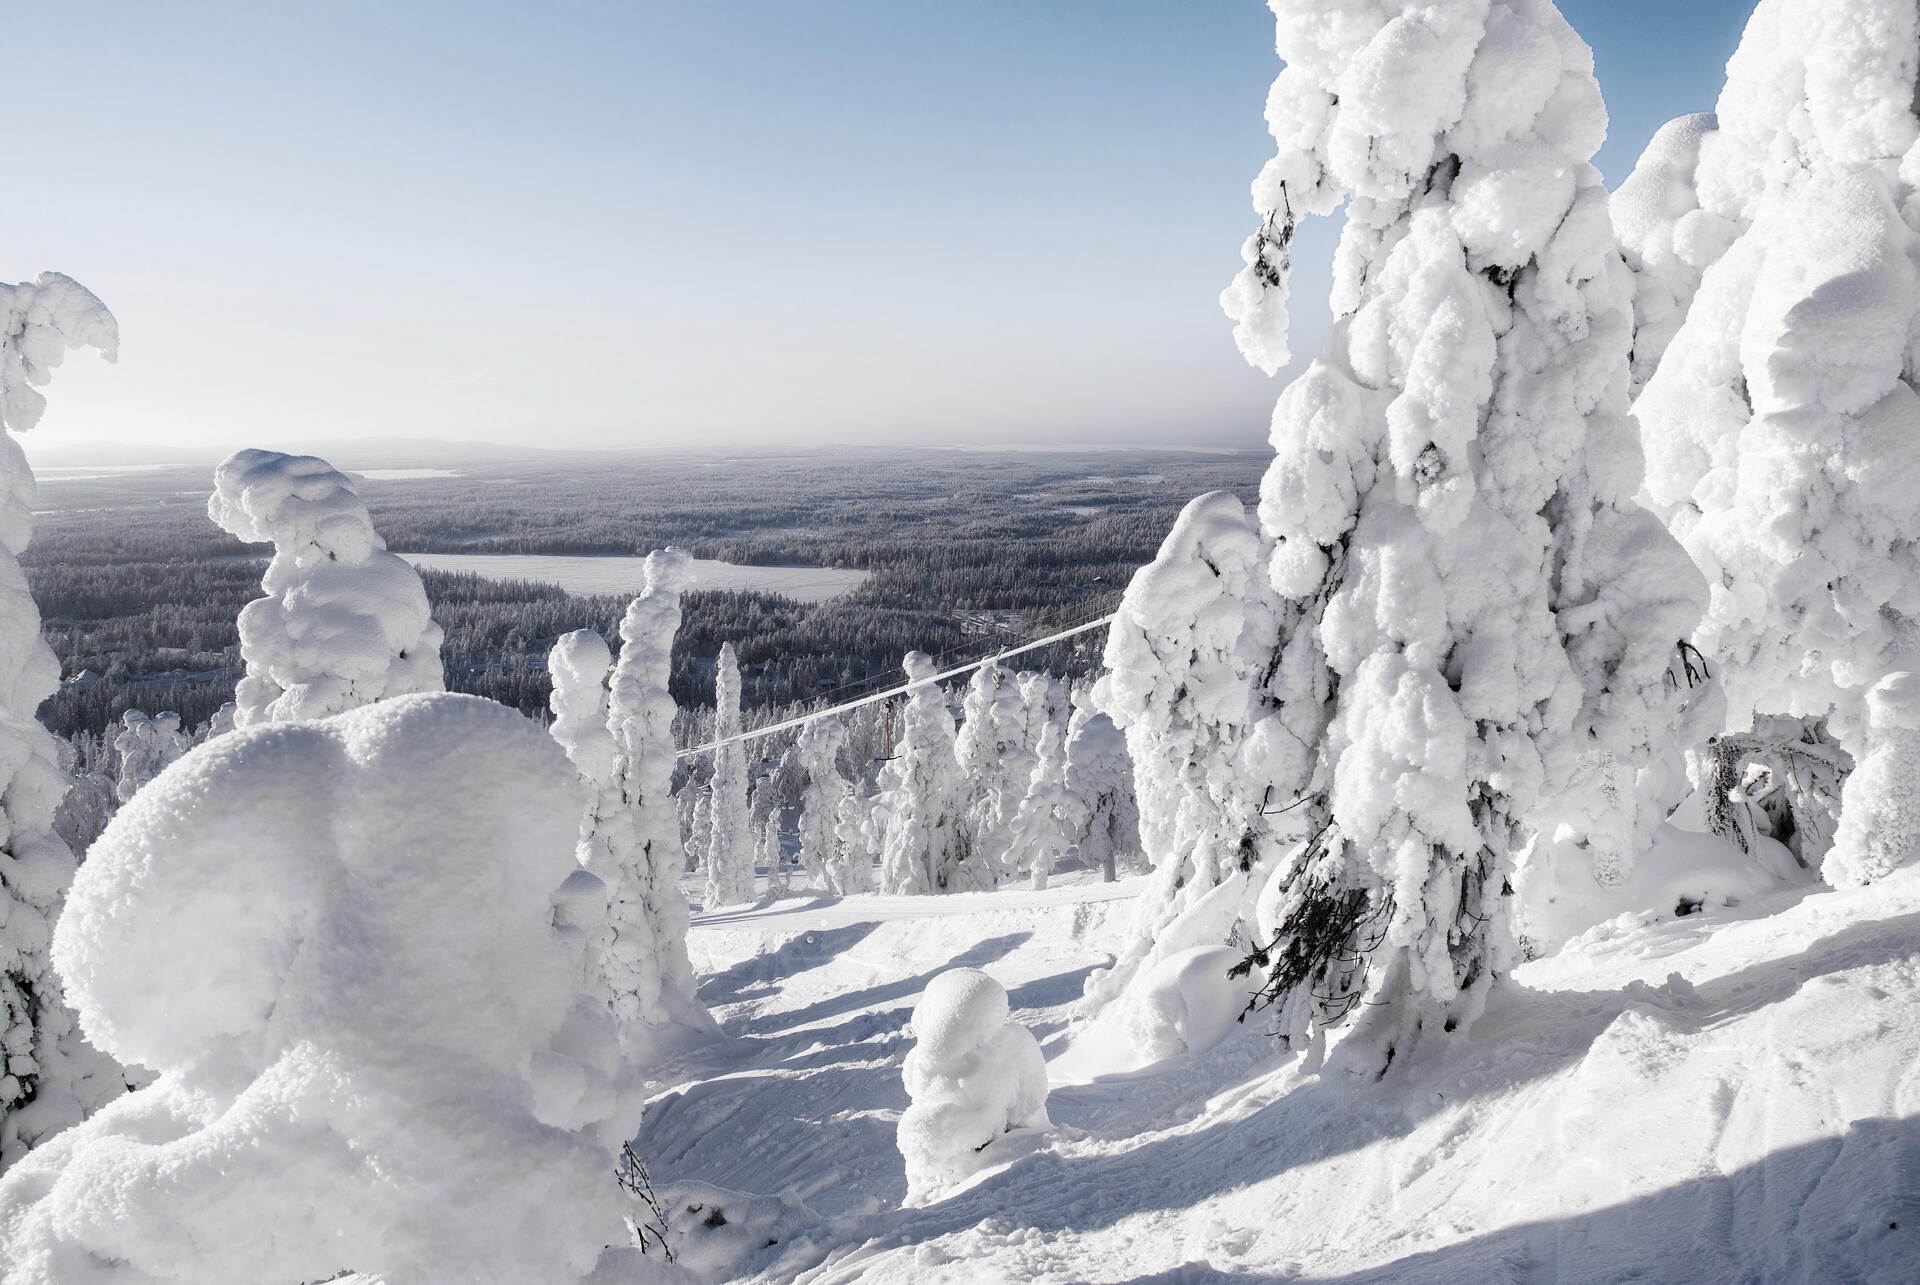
(644, 225)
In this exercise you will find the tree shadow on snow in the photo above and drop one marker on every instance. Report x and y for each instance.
(840, 1083)
(798, 954)
(1200, 1274)
(1840, 1209)
(978, 955)
(1526, 1035)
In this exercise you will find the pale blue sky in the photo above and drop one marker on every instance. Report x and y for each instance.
(704, 221)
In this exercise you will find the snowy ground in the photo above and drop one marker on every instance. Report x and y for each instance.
(1727, 1096)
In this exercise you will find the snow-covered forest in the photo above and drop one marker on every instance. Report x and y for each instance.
(1477, 841)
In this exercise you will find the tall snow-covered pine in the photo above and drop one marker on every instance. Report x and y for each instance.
(1783, 418)
(1451, 503)
(51, 1076)
(730, 842)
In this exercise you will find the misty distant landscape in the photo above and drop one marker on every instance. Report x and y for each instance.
(954, 552)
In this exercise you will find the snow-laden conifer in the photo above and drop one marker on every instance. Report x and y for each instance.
(1783, 422)
(51, 1077)
(1450, 507)
(1879, 828)
(767, 853)
(976, 1080)
(1187, 662)
(852, 868)
(616, 724)
(996, 759)
(818, 749)
(1100, 814)
(344, 623)
(923, 846)
(644, 883)
(730, 841)
(145, 746)
(1040, 832)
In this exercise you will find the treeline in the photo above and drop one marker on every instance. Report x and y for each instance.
(163, 636)
(499, 632)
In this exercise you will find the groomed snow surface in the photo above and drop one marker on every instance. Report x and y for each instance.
(1728, 1095)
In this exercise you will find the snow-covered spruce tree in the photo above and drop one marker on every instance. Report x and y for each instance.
(1188, 661)
(778, 788)
(700, 831)
(394, 1000)
(145, 746)
(996, 759)
(1880, 826)
(51, 1077)
(1040, 828)
(818, 748)
(730, 846)
(852, 870)
(1100, 814)
(1783, 423)
(1044, 700)
(616, 724)
(1451, 503)
(923, 846)
(766, 852)
(977, 1081)
(89, 801)
(344, 623)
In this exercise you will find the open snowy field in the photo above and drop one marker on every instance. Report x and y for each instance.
(613, 575)
(1720, 1097)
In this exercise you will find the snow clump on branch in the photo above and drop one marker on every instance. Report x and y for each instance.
(344, 623)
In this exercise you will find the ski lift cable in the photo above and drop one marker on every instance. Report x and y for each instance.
(891, 692)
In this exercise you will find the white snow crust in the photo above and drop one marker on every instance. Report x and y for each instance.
(1727, 1095)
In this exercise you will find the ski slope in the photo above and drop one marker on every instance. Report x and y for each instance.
(1733, 1095)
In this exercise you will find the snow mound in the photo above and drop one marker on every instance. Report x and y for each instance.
(975, 1076)
(1685, 873)
(344, 622)
(714, 1232)
(336, 944)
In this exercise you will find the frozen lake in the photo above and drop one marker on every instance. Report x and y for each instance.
(586, 575)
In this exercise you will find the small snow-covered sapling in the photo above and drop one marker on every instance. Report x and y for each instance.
(976, 1078)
